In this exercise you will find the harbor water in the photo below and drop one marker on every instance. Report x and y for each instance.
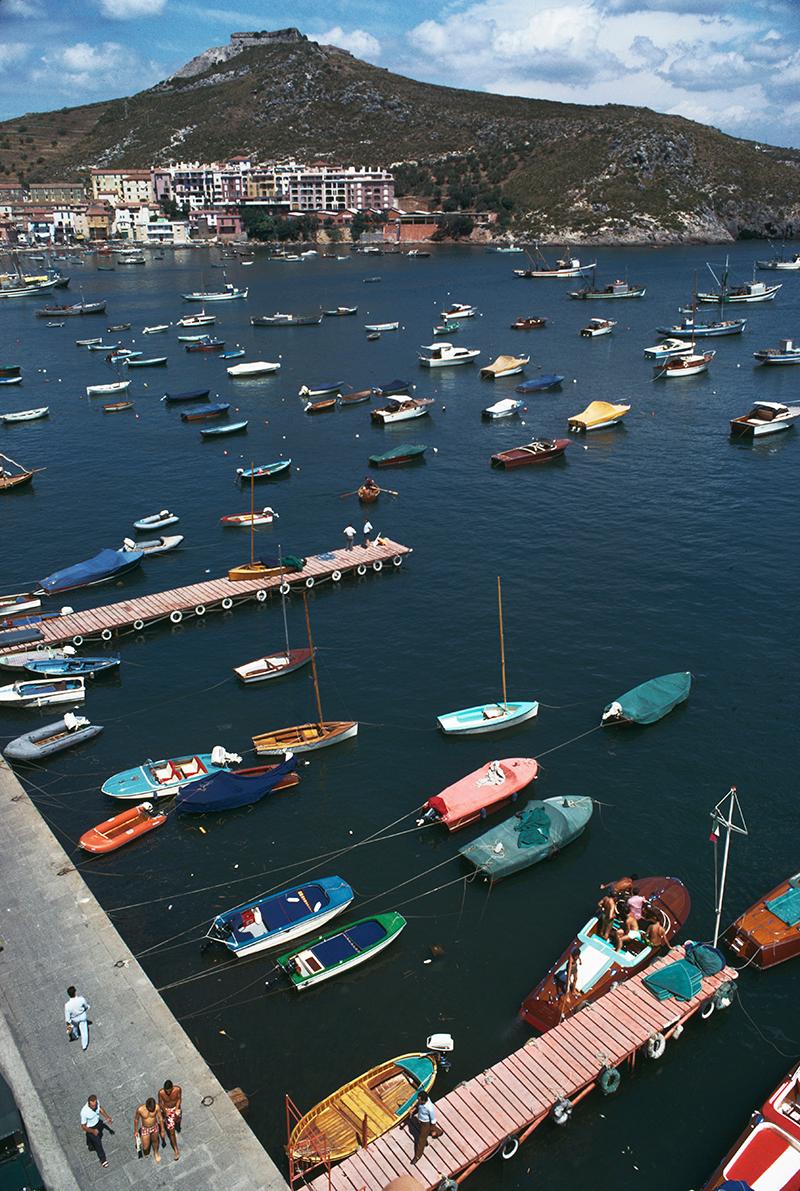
(655, 546)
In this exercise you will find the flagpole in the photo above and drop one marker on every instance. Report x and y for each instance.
(725, 819)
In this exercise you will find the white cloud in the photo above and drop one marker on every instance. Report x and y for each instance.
(21, 8)
(357, 41)
(127, 10)
(97, 69)
(13, 51)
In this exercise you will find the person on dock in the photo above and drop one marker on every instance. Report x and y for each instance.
(367, 527)
(94, 1119)
(147, 1128)
(423, 1126)
(76, 1016)
(349, 532)
(169, 1101)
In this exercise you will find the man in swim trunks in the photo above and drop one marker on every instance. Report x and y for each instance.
(608, 912)
(147, 1125)
(630, 932)
(656, 936)
(169, 1101)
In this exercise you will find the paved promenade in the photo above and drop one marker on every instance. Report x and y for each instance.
(53, 933)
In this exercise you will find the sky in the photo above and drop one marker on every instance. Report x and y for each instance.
(734, 64)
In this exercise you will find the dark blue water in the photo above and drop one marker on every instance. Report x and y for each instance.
(656, 546)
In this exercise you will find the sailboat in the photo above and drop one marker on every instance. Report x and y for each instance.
(275, 664)
(254, 569)
(490, 717)
(302, 738)
(15, 479)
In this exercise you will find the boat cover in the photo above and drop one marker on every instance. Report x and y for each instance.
(786, 906)
(647, 703)
(495, 782)
(395, 386)
(681, 980)
(598, 411)
(533, 834)
(20, 636)
(537, 383)
(349, 943)
(503, 363)
(709, 959)
(225, 791)
(104, 565)
(398, 453)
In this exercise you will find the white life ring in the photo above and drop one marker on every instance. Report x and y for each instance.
(656, 1045)
(227, 603)
(138, 625)
(561, 1111)
(200, 610)
(78, 641)
(510, 1147)
(336, 576)
(707, 1009)
(261, 596)
(106, 635)
(310, 581)
(377, 565)
(284, 588)
(361, 569)
(397, 561)
(176, 617)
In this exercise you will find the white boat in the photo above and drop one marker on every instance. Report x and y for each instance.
(191, 338)
(255, 368)
(160, 545)
(17, 603)
(445, 355)
(504, 366)
(766, 417)
(155, 330)
(784, 353)
(503, 409)
(401, 409)
(87, 342)
(19, 661)
(26, 415)
(381, 326)
(117, 386)
(567, 267)
(197, 320)
(229, 294)
(458, 310)
(43, 692)
(668, 348)
(157, 520)
(689, 365)
(787, 264)
(598, 326)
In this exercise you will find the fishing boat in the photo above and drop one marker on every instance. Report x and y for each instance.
(205, 345)
(163, 779)
(161, 545)
(264, 471)
(783, 262)
(75, 310)
(357, 397)
(18, 286)
(151, 362)
(116, 407)
(229, 294)
(503, 409)
(382, 326)
(226, 791)
(122, 829)
(42, 742)
(567, 266)
(528, 324)
(404, 453)
(667, 349)
(253, 369)
(504, 366)
(303, 738)
(446, 328)
(26, 415)
(689, 328)
(197, 320)
(598, 326)
(539, 450)
(401, 409)
(480, 793)
(692, 364)
(341, 950)
(324, 389)
(393, 388)
(458, 310)
(784, 353)
(286, 320)
(19, 660)
(223, 431)
(341, 312)
(765, 417)
(490, 717)
(531, 835)
(263, 516)
(648, 702)
(766, 1155)
(117, 386)
(591, 965)
(204, 413)
(42, 692)
(69, 667)
(446, 355)
(326, 405)
(189, 395)
(540, 384)
(615, 289)
(750, 291)
(157, 520)
(767, 933)
(103, 567)
(157, 330)
(360, 1112)
(276, 920)
(597, 416)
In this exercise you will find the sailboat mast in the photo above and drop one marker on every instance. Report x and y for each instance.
(725, 819)
(252, 513)
(502, 642)
(283, 603)
(313, 660)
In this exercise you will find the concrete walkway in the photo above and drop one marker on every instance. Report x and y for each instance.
(53, 933)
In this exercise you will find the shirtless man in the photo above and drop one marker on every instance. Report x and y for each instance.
(630, 932)
(147, 1125)
(656, 936)
(608, 910)
(169, 1101)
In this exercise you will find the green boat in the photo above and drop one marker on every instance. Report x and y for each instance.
(341, 950)
(534, 834)
(405, 453)
(650, 702)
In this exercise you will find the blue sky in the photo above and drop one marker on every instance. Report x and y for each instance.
(735, 65)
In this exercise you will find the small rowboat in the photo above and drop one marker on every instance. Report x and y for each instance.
(70, 666)
(320, 407)
(43, 692)
(273, 665)
(156, 521)
(597, 416)
(540, 450)
(649, 702)
(304, 738)
(369, 492)
(158, 330)
(260, 517)
(341, 950)
(206, 345)
(87, 342)
(52, 738)
(529, 324)
(404, 453)
(356, 398)
(767, 933)
(10, 380)
(265, 471)
(487, 717)
(122, 829)
(116, 407)
(152, 362)
(221, 431)
(26, 415)
(205, 413)
(118, 327)
(382, 326)
(534, 834)
(189, 395)
(276, 920)
(480, 793)
(117, 386)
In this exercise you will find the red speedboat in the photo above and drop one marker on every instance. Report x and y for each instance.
(767, 1154)
(541, 450)
(480, 793)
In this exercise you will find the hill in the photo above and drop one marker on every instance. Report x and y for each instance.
(556, 170)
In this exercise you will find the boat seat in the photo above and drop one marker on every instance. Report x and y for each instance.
(164, 775)
(192, 768)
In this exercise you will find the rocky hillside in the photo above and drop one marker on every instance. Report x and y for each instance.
(556, 170)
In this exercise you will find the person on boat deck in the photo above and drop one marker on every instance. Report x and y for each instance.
(656, 936)
(147, 1127)
(630, 932)
(423, 1126)
(636, 904)
(620, 888)
(569, 976)
(608, 912)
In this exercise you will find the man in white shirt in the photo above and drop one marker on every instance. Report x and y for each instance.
(367, 532)
(76, 1010)
(94, 1120)
(423, 1125)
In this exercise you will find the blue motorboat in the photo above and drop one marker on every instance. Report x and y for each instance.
(540, 384)
(233, 354)
(393, 388)
(189, 395)
(272, 921)
(163, 779)
(102, 568)
(204, 413)
(265, 471)
(66, 667)
(225, 791)
(324, 388)
(650, 701)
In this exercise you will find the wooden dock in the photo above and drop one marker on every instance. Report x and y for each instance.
(502, 1106)
(126, 616)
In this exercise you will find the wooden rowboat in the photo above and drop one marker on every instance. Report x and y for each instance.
(369, 492)
(303, 738)
(767, 933)
(122, 829)
(115, 407)
(320, 407)
(26, 415)
(261, 517)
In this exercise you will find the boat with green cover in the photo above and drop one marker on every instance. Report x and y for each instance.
(533, 834)
(341, 950)
(404, 453)
(649, 702)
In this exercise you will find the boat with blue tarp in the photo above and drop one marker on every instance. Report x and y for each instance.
(226, 791)
(533, 834)
(650, 701)
(341, 950)
(102, 568)
(273, 921)
(540, 384)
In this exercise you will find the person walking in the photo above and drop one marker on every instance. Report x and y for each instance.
(424, 1125)
(76, 1010)
(367, 532)
(94, 1119)
(349, 532)
(169, 1101)
(147, 1128)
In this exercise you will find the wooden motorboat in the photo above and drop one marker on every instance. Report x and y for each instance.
(116, 407)
(26, 415)
(263, 516)
(690, 364)
(204, 413)
(765, 417)
(766, 1154)
(597, 965)
(767, 933)
(338, 952)
(122, 829)
(42, 742)
(785, 353)
(649, 702)
(14, 475)
(668, 348)
(445, 355)
(504, 366)
(480, 793)
(458, 310)
(42, 692)
(540, 450)
(528, 324)
(531, 835)
(598, 326)
(361, 1111)
(276, 920)
(117, 386)
(222, 431)
(156, 521)
(597, 416)
(401, 409)
(404, 453)
(320, 407)
(273, 665)
(253, 369)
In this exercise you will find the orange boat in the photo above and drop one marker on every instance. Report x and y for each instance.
(121, 829)
(767, 934)
(480, 793)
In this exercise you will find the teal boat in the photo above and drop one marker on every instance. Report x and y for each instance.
(341, 950)
(649, 702)
(534, 834)
(404, 453)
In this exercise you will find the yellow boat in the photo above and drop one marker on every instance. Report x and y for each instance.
(597, 415)
(361, 1111)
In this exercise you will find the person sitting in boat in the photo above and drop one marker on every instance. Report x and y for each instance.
(636, 904)
(656, 936)
(628, 934)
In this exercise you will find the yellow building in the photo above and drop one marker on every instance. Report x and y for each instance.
(129, 186)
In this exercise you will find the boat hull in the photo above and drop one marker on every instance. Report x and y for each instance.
(272, 666)
(760, 936)
(482, 792)
(119, 830)
(229, 928)
(52, 738)
(766, 1154)
(305, 738)
(314, 963)
(487, 717)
